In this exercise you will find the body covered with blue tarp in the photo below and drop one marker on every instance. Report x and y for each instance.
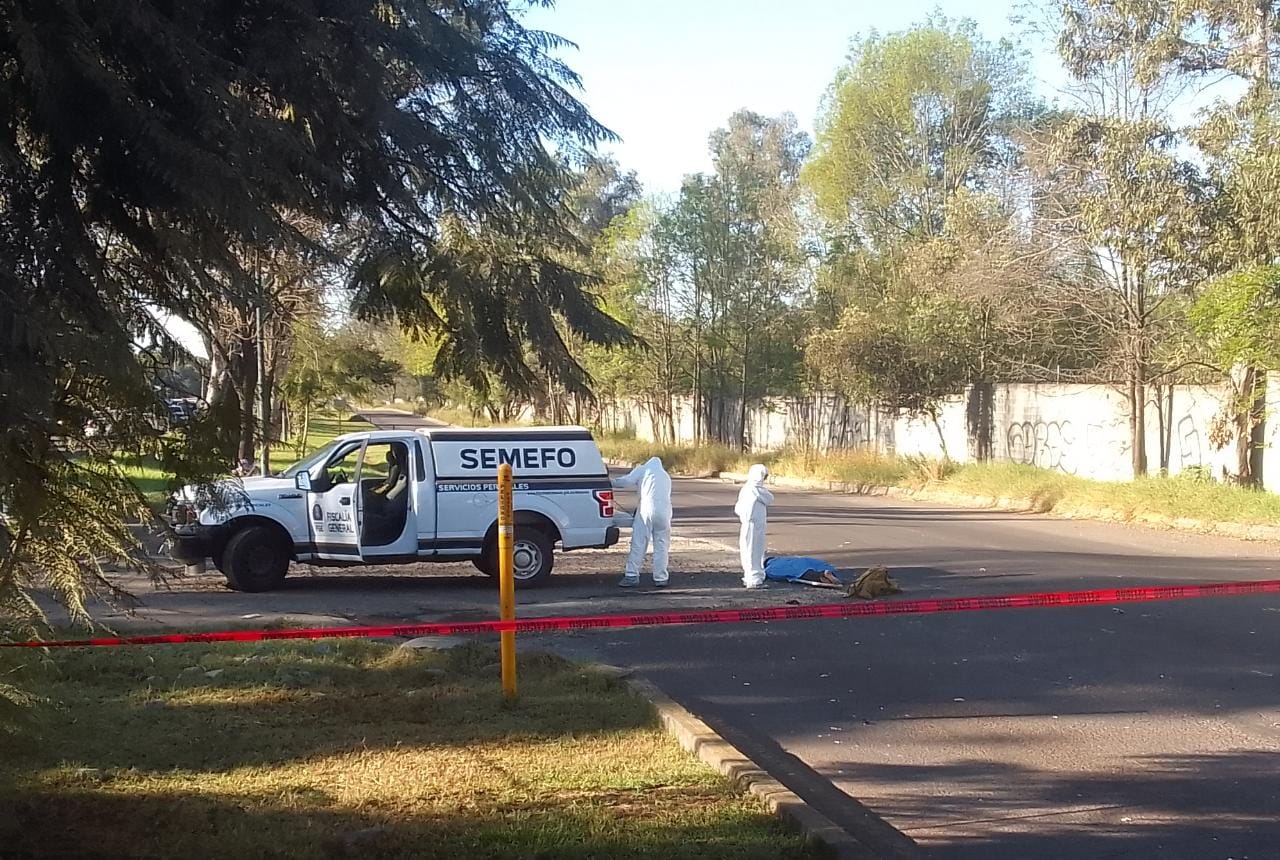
(791, 568)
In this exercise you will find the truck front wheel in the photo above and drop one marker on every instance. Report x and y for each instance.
(255, 559)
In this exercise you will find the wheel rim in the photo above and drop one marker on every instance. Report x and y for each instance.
(263, 562)
(528, 559)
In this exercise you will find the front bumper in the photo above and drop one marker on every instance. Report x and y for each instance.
(193, 543)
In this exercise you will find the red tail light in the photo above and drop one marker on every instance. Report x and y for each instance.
(604, 498)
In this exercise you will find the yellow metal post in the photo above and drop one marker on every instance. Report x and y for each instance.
(507, 579)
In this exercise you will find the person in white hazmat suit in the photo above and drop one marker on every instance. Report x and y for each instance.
(652, 521)
(753, 512)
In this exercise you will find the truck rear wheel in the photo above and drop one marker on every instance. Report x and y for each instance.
(255, 559)
(533, 554)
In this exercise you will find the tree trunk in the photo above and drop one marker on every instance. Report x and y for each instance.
(742, 393)
(1138, 424)
(697, 365)
(216, 364)
(306, 425)
(221, 382)
(264, 409)
(282, 420)
(1164, 426)
(1248, 418)
(245, 372)
(942, 437)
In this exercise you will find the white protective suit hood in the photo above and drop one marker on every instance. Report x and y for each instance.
(753, 493)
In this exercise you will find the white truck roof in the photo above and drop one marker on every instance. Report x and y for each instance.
(564, 432)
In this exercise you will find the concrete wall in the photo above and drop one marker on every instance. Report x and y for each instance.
(1079, 430)
(1075, 429)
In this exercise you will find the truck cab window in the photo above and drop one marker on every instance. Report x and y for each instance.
(343, 469)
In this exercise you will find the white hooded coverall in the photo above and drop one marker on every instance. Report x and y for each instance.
(752, 510)
(652, 520)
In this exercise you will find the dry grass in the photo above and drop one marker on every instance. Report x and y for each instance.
(355, 749)
(706, 459)
(1186, 497)
(1041, 489)
(457, 416)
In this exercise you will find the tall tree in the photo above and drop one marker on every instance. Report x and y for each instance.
(911, 120)
(600, 195)
(739, 233)
(1114, 183)
(144, 144)
(919, 180)
(327, 365)
(248, 336)
(1238, 39)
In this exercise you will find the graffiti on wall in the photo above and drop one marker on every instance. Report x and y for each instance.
(1046, 444)
(1189, 443)
(1064, 446)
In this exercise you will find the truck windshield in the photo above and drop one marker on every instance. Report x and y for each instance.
(305, 465)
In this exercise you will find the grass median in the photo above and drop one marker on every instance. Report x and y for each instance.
(353, 748)
(1191, 497)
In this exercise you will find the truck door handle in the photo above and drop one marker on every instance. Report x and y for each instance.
(345, 500)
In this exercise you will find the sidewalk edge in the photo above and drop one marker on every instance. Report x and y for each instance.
(700, 739)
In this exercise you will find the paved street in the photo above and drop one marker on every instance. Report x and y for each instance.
(1141, 731)
(396, 419)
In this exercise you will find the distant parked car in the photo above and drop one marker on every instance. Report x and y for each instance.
(181, 411)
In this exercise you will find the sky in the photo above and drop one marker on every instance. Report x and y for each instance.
(664, 74)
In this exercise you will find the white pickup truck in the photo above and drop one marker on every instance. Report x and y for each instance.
(399, 496)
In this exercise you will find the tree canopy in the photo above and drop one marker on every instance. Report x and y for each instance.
(149, 149)
(914, 118)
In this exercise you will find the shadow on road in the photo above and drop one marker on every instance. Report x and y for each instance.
(1186, 806)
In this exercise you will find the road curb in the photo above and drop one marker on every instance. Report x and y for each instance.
(703, 741)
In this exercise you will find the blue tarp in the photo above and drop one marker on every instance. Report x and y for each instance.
(789, 568)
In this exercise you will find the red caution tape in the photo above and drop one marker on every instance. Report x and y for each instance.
(1097, 597)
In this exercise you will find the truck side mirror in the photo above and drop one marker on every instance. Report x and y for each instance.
(303, 481)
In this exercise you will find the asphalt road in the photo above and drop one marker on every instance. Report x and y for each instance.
(1149, 730)
(396, 419)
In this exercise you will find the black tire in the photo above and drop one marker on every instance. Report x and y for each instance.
(256, 559)
(487, 563)
(534, 558)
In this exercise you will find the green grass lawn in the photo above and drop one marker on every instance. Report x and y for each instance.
(1041, 489)
(323, 430)
(352, 748)
(148, 476)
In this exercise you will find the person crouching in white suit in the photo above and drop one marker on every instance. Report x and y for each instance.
(753, 512)
(652, 521)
